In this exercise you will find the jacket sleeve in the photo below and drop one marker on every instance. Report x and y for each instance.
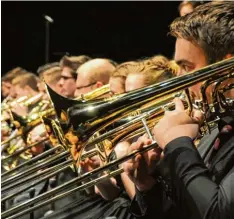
(153, 204)
(202, 197)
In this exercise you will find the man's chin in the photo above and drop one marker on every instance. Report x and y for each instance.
(63, 93)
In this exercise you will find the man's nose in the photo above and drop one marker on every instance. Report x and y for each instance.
(61, 82)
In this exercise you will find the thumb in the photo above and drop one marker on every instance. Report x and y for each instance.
(179, 106)
(197, 116)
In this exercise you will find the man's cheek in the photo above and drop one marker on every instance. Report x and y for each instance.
(195, 91)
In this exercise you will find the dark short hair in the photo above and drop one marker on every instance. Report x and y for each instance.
(74, 62)
(211, 26)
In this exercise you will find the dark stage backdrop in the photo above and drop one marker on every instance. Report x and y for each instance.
(120, 31)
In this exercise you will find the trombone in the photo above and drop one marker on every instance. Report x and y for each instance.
(19, 121)
(97, 93)
(89, 119)
(34, 119)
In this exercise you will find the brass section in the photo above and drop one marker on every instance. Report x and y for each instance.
(95, 129)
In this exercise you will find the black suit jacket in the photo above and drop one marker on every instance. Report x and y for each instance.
(195, 190)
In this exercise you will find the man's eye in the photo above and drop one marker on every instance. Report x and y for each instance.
(187, 68)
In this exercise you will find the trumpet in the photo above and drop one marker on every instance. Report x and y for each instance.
(92, 123)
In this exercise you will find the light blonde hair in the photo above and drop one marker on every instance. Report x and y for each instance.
(26, 79)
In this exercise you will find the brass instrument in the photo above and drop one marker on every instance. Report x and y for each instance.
(91, 123)
(33, 118)
(20, 148)
(26, 124)
(23, 101)
(97, 93)
(61, 109)
(24, 121)
(33, 99)
(10, 104)
(24, 151)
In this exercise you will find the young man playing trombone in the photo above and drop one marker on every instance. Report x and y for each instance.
(199, 185)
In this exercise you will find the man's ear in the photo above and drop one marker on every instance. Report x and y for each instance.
(99, 84)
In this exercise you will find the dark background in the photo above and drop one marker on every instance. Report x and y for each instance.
(120, 31)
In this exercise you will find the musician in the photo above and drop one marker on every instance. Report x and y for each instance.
(51, 74)
(95, 73)
(7, 79)
(8, 94)
(69, 65)
(201, 184)
(25, 85)
(140, 74)
(92, 75)
(91, 205)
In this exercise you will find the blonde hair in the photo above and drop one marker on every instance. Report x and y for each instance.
(26, 79)
(10, 75)
(122, 70)
(155, 69)
(52, 75)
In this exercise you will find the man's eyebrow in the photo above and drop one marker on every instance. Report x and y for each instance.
(183, 61)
